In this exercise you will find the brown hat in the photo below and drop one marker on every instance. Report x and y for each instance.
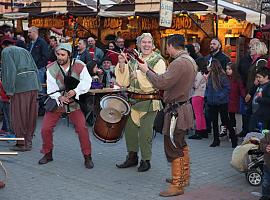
(7, 38)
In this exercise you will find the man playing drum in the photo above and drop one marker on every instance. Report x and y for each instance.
(55, 81)
(143, 98)
(177, 83)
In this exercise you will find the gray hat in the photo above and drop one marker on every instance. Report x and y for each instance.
(65, 46)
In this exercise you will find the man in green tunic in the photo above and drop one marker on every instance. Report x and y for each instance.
(139, 127)
(21, 83)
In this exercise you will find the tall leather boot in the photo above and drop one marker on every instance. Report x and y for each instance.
(176, 187)
(88, 163)
(186, 166)
(46, 158)
(131, 160)
(186, 177)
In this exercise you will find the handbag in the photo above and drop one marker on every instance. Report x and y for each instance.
(159, 121)
(50, 104)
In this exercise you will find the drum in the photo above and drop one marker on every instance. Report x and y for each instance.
(110, 123)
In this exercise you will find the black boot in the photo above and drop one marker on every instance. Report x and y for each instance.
(204, 133)
(215, 143)
(88, 163)
(234, 138)
(196, 136)
(144, 166)
(46, 158)
(131, 160)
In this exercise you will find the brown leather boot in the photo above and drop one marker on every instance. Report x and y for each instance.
(176, 187)
(186, 177)
(131, 160)
(46, 158)
(88, 163)
(2, 184)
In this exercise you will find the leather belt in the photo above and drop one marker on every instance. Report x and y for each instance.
(153, 96)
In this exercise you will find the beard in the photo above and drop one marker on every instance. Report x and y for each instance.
(213, 50)
(62, 61)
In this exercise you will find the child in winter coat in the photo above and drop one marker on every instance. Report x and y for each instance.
(237, 90)
(198, 100)
(217, 97)
(261, 100)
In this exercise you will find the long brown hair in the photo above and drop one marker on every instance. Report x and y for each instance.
(235, 75)
(216, 74)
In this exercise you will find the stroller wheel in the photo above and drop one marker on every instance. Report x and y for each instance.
(254, 177)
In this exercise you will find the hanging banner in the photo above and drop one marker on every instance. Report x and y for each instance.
(166, 10)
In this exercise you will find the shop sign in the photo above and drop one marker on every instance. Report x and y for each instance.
(181, 22)
(47, 22)
(149, 24)
(112, 23)
(88, 22)
(166, 10)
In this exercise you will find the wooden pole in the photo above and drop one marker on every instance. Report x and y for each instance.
(216, 1)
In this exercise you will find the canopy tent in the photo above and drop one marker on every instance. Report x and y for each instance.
(128, 8)
(39, 9)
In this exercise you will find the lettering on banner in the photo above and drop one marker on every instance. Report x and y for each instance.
(88, 22)
(181, 23)
(149, 24)
(112, 23)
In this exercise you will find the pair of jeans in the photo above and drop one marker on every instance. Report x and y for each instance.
(221, 109)
(266, 182)
(42, 78)
(5, 107)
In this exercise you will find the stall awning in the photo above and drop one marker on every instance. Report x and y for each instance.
(201, 7)
(237, 11)
(37, 9)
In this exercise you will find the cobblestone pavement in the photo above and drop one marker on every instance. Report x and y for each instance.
(212, 177)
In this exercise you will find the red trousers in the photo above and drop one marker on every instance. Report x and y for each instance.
(77, 118)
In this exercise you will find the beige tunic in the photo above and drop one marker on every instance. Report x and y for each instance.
(177, 83)
(138, 82)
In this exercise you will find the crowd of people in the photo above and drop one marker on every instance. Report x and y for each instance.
(209, 87)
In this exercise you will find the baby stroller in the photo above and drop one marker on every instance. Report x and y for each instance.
(248, 158)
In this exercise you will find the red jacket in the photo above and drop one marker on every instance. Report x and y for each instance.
(237, 90)
(3, 95)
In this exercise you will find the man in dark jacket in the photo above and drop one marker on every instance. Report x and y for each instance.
(216, 52)
(39, 50)
(82, 53)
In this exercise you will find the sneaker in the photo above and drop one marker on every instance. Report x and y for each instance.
(10, 135)
(223, 131)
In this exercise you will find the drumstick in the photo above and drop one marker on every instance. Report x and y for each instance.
(4, 139)
(8, 153)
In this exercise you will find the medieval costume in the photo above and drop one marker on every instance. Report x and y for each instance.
(177, 83)
(55, 82)
(21, 83)
(139, 127)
